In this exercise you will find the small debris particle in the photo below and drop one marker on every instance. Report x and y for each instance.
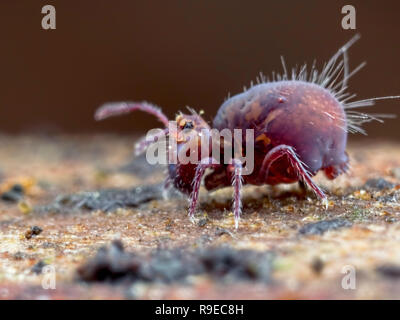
(389, 270)
(24, 207)
(378, 184)
(37, 268)
(202, 222)
(321, 227)
(18, 188)
(15, 194)
(33, 231)
(317, 265)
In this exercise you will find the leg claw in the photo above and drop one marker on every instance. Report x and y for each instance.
(325, 203)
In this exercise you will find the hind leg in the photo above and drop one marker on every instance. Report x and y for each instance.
(237, 182)
(299, 167)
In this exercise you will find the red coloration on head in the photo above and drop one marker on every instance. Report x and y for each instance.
(188, 137)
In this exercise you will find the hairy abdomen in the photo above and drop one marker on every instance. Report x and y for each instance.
(302, 115)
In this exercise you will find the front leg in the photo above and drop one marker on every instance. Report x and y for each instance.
(194, 196)
(300, 167)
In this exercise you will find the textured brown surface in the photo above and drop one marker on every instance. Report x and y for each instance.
(306, 264)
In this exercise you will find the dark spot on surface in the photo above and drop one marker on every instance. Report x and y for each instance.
(14, 194)
(378, 184)
(36, 230)
(321, 227)
(113, 263)
(10, 196)
(109, 199)
(202, 222)
(317, 265)
(230, 264)
(18, 188)
(37, 268)
(33, 231)
(389, 270)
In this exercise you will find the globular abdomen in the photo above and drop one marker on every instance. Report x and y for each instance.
(299, 114)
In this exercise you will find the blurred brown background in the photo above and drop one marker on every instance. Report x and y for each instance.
(177, 53)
